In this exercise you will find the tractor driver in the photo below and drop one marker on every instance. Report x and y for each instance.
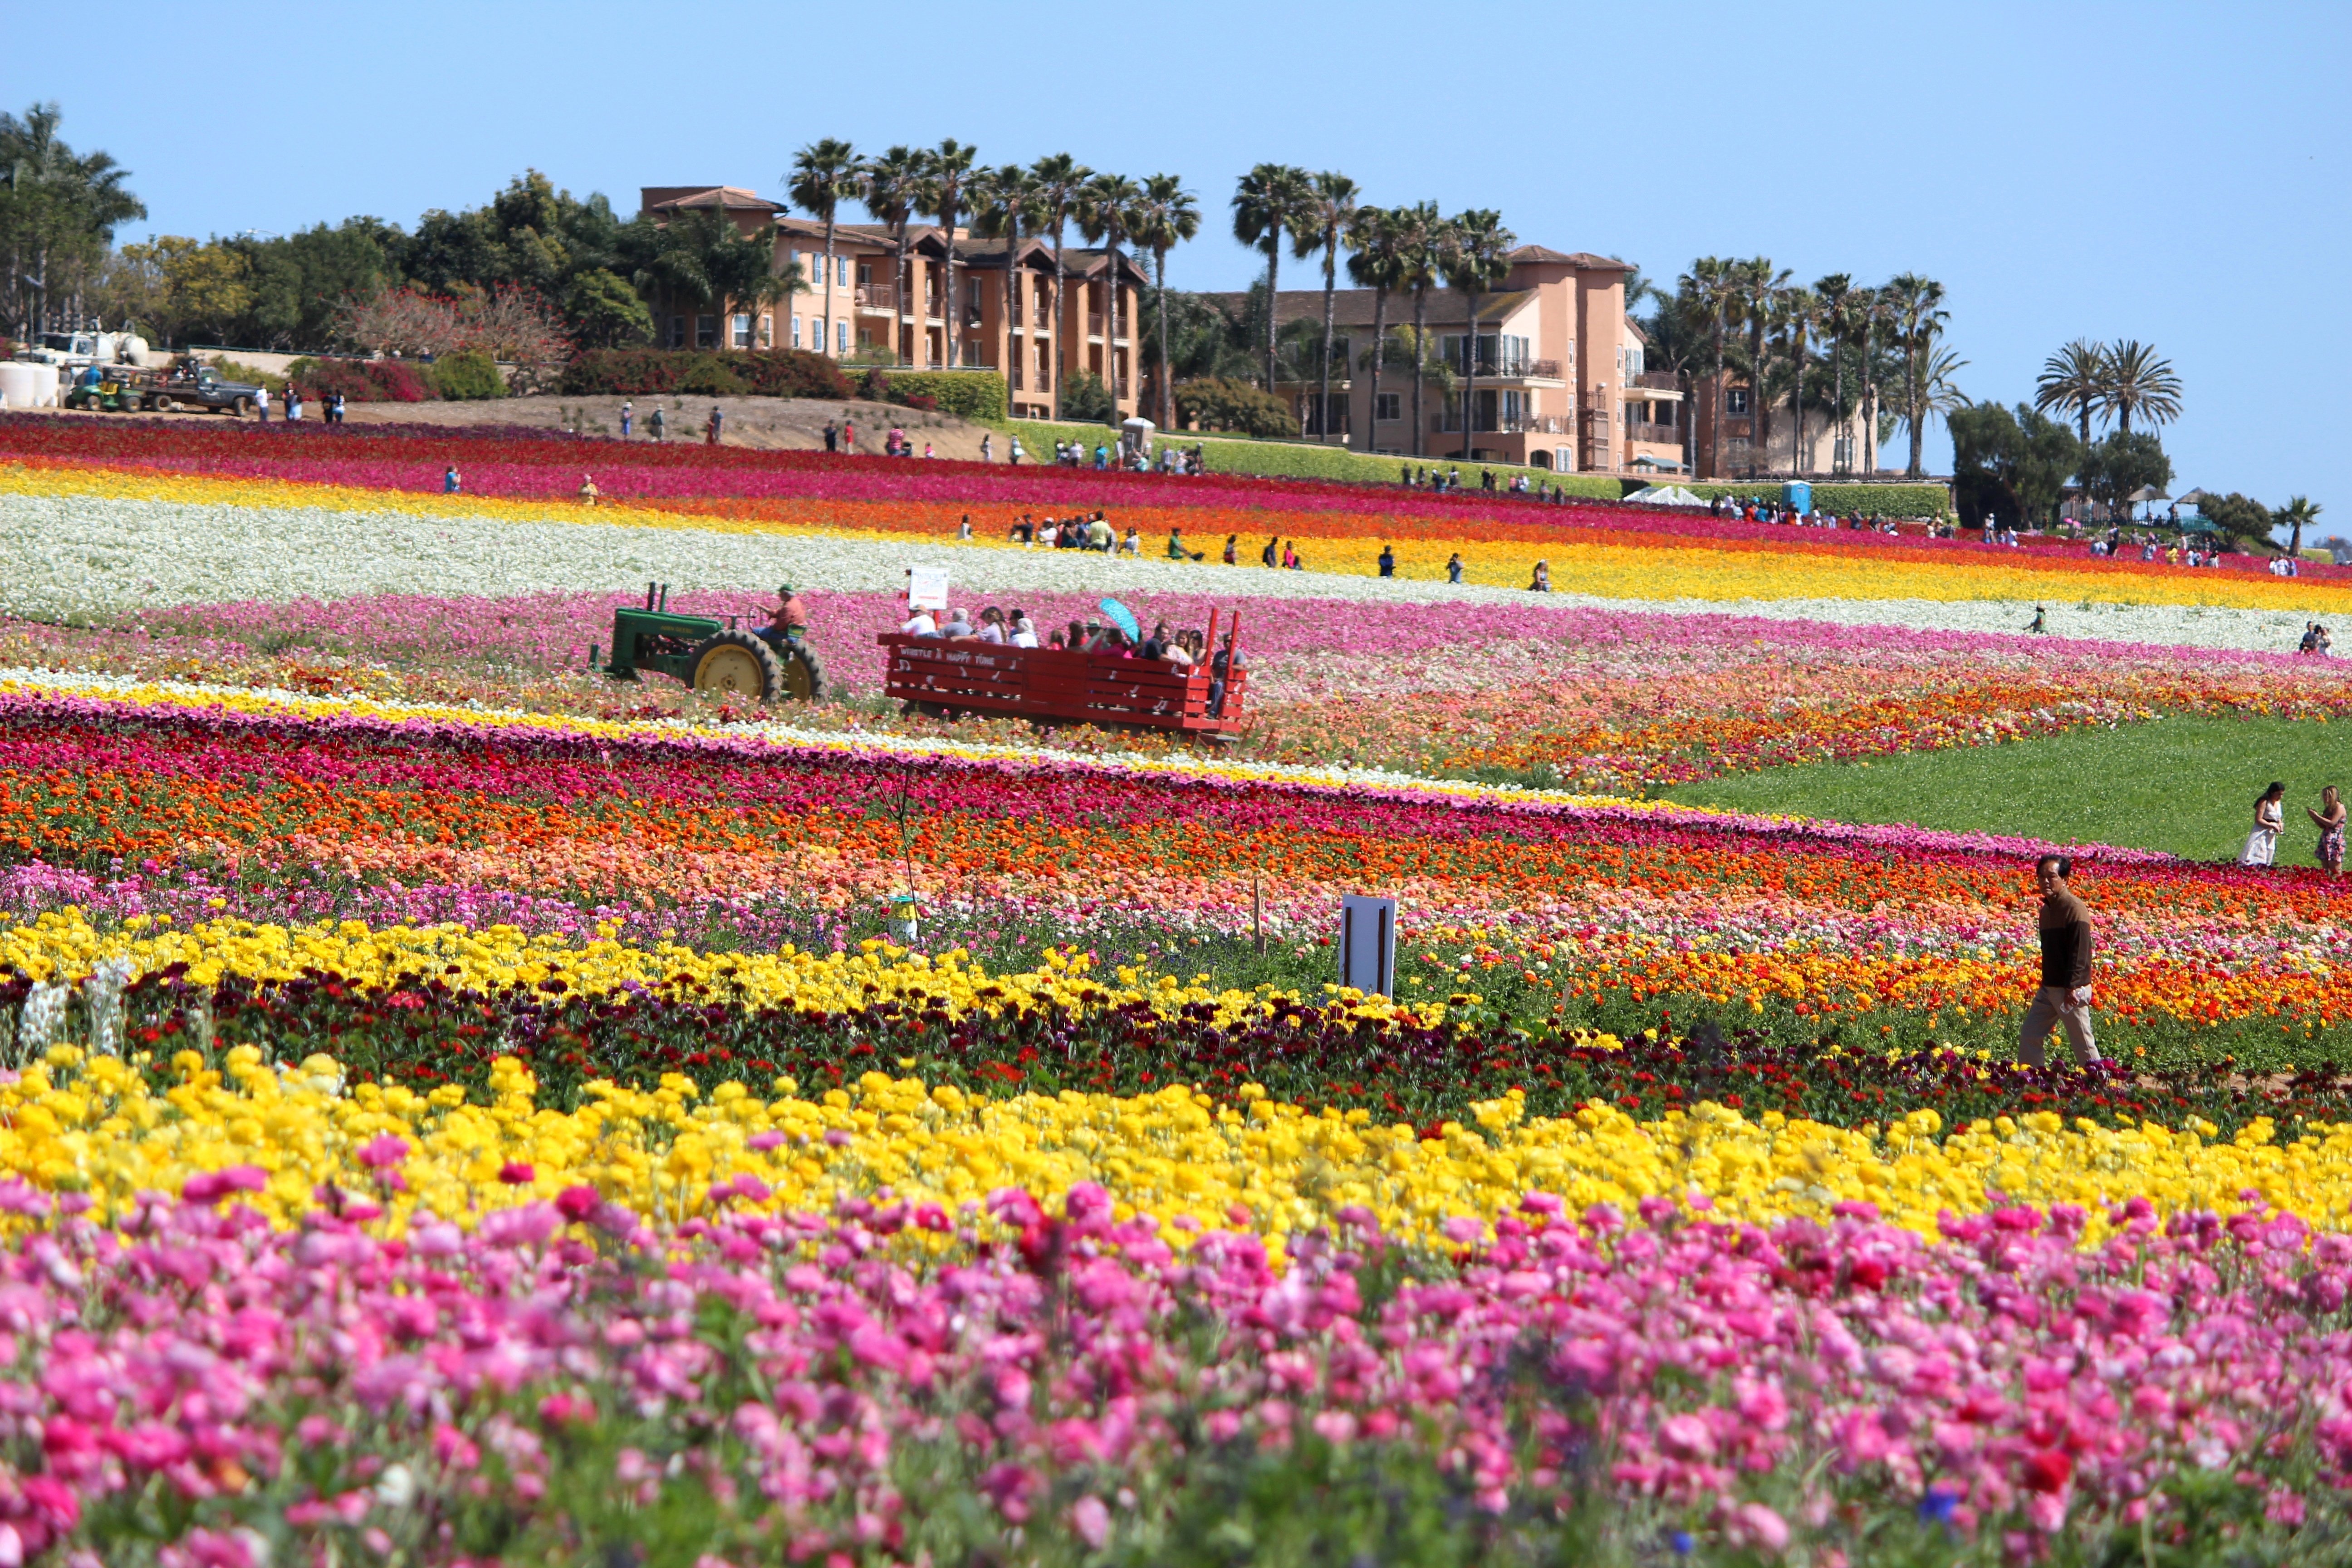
(791, 617)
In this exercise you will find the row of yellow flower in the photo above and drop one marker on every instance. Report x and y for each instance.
(94, 1126)
(1707, 571)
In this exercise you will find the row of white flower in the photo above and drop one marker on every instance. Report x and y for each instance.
(85, 558)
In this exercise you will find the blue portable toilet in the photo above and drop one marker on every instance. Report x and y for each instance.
(1798, 496)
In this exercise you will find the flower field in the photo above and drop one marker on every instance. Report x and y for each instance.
(456, 1110)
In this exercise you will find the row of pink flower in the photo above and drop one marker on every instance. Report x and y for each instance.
(570, 1364)
(554, 631)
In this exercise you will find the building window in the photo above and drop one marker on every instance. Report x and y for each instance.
(796, 331)
(677, 331)
(767, 331)
(1387, 408)
(738, 328)
(1735, 401)
(840, 271)
(1737, 447)
(841, 339)
(706, 331)
(864, 275)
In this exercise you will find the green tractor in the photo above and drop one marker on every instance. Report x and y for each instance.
(711, 655)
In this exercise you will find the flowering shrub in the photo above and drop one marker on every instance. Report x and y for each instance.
(364, 381)
(772, 372)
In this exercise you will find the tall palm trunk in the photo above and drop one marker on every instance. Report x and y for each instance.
(826, 347)
(1166, 393)
(1760, 406)
(949, 312)
(1797, 400)
(901, 284)
(1273, 271)
(1110, 321)
(1470, 380)
(1837, 392)
(1016, 348)
(1059, 324)
(1420, 363)
(1330, 295)
(1918, 395)
(1380, 347)
(1722, 401)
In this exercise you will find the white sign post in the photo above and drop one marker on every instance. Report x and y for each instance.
(927, 588)
(1368, 944)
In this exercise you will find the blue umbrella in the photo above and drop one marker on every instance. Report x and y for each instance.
(1123, 618)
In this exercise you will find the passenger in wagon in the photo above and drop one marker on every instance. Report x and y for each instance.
(1024, 631)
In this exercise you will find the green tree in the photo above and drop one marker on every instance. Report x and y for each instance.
(201, 288)
(58, 211)
(824, 175)
(1678, 342)
(1916, 304)
(1421, 241)
(1759, 292)
(1713, 288)
(2139, 382)
(1478, 259)
(1330, 208)
(2013, 465)
(1798, 313)
(2241, 518)
(893, 187)
(1165, 217)
(1269, 199)
(1105, 210)
(1005, 206)
(603, 313)
(2298, 513)
(947, 181)
(1057, 179)
(2125, 462)
(1375, 262)
(1838, 297)
(2074, 379)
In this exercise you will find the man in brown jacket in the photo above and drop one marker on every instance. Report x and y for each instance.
(2063, 997)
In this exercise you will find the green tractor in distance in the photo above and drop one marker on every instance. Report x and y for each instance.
(710, 654)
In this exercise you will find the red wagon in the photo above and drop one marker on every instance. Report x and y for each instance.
(1051, 685)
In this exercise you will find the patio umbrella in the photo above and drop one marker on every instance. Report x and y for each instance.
(1123, 618)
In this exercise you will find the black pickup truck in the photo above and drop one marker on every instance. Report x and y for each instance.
(202, 388)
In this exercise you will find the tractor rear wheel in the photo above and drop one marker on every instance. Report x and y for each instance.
(738, 662)
(803, 676)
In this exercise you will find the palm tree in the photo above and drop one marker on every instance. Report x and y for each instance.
(1375, 262)
(1879, 345)
(1421, 241)
(947, 174)
(1478, 259)
(1919, 318)
(1057, 178)
(1760, 286)
(892, 187)
(2074, 378)
(1938, 393)
(1713, 284)
(1105, 209)
(1836, 294)
(1322, 225)
(1269, 199)
(2137, 382)
(61, 209)
(1801, 314)
(824, 174)
(2297, 511)
(1003, 203)
(1166, 218)
(1677, 330)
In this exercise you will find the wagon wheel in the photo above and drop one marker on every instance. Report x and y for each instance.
(738, 662)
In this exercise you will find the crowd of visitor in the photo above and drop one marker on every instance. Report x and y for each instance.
(1180, 650)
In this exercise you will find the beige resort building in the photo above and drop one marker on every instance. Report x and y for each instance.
(856, 312)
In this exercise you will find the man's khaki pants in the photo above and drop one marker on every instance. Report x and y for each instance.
(2055, 1004)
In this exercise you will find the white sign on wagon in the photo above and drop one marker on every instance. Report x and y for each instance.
(1368, 944)
(927, 587)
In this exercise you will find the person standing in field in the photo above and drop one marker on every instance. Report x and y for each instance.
(2330, 822)
(628, 417)
(710, 429)
(451, 484)
(2063, 997)
(2270, 816)
(657, 426)
(1453, 567)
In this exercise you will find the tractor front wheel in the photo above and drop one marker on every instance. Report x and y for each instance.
(738, 662)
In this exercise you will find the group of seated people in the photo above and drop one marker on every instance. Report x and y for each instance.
(1180, 650)
(1074, 534)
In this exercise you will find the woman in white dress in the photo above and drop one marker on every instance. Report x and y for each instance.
(2270, 815)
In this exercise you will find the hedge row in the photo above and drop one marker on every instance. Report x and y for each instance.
(975, 395)
(725, 373)
(1907, 500)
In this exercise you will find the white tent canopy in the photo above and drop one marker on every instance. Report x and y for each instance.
(1666, 495)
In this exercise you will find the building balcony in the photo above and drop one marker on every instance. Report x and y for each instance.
(1658, 435)
(877, 297)
(1509, 424)
(1509, 369)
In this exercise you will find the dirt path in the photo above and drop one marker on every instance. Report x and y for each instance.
(794, 423)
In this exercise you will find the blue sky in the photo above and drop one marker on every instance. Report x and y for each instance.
(2172, 172)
